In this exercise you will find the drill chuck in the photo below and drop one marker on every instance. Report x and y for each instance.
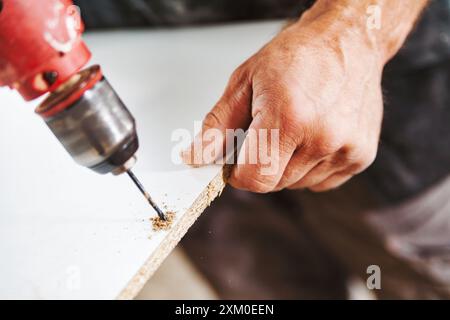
(92, 123)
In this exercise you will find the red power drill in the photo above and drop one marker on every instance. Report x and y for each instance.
(41, 51)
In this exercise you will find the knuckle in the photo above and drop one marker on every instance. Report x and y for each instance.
(272, 95)
(253, 181)
(310, 179)
(267, 99)
(261, 184)
(362, 158)
(296, 186)
(212, 119)
(333, 182)
(328, 141)
(260, 187)
(293, 116)
(293, 122)
(237, 76)
(326, 186)
(358, 154)
(370, 156)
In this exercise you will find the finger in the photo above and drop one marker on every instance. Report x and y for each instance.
(316, 175)
(332, 182)
(232, 111)
(327, 166)
(341, 176)
(272, 154)
(298, 166)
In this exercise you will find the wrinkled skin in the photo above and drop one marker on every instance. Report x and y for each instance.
(318, 82)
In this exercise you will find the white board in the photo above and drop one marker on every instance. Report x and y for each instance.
(66, 232)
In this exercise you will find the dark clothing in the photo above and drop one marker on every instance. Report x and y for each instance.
(304, 245)
(414, 150)
(143, 13)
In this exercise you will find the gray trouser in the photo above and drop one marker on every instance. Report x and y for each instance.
(297, 244)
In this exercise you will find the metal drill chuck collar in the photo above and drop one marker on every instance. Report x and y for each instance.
(92, 123)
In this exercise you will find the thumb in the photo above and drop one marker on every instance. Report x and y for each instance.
(232, 111)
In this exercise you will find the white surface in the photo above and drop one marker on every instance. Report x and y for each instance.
(66, 232)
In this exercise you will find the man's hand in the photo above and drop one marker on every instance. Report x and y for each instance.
(319, 83)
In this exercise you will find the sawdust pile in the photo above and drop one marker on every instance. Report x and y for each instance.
(159, 224)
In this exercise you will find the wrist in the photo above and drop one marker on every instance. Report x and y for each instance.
(344, 30)
(362, 23)
(382, 25)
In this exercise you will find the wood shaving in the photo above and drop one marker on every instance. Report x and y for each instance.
(159, 224)
(176, 232)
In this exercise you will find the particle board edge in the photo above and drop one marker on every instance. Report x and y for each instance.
(209, 193)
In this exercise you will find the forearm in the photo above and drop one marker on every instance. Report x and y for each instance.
(382, 24)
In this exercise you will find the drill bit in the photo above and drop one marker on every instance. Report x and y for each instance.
(138, 184)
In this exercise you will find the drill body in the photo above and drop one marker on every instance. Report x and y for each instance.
(42, 52)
